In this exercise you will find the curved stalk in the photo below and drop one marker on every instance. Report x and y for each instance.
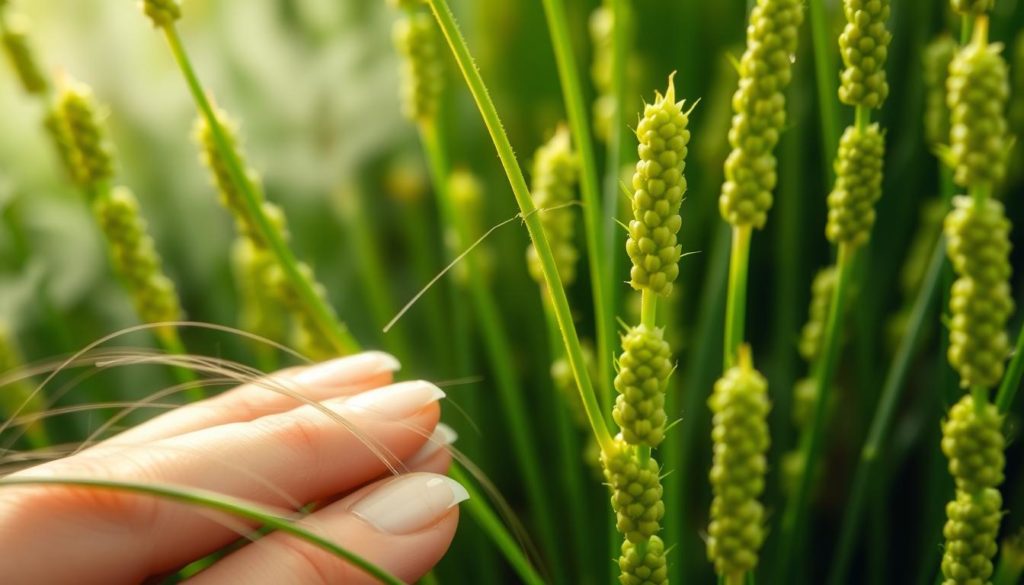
(318, 308)
(590, 190)
(881, 421)
(220, 503)
(560, 303)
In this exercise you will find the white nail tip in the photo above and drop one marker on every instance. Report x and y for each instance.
(442, 436)
(388, 362)
(397, 400)
(410, 503)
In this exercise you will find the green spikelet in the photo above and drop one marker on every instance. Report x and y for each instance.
(978, 245)
(973, 442)
(92, 154)
(971, 528)
(21, 56)
(636, 492)
(230, 196)
(864, 45)
(555, 171)
(851, 204)
(658, 188)
(740, 436)
(937, 57)
(977, 93)
(162, 12)
(821, 297)
(565, 383)
(259, 312)
(759, 108)
(649, 569)
(805, 395)
(602, 26)
(467, 194)
(19, 398)
(135, 257)
(644, 367)
(306, 334)
(60, 137)
(974, 7)
(419, 43)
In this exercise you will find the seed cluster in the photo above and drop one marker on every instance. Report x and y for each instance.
(555, 171)
(306, 335)
(21, 56)
(937, 57)
(759, 107)
(92, 155)
(973, 442)
(858, 186)
(972, 523)
(636, 492)
(162, 12)
(135, 257)
(259, 312)
(644, 367)
(658, 188)
(740, 436)
(977, 93)
(418, 42)
(649, 569)
(864, 45)
(821, 298)
(978, 244)
(975, 7)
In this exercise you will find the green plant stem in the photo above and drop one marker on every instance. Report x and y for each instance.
(1011, 381)
(736, 303)
(498, 350)
(811, 444)
(318, 309)
(495, 529)
(219, 503)
(590, 189)
(895, 382)
(825, 80)
(560, 302)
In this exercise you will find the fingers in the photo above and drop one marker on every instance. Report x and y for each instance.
(334, 378)
(294, 457)
(434, 456)
(403, 525)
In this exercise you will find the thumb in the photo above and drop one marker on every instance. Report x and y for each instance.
(402, 524)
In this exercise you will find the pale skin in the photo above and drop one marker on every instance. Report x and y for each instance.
(264, 447)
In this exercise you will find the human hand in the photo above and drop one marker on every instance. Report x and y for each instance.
(265, 447)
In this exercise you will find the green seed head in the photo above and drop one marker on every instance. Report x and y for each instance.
(978, 245)
(972, 524)
(636, 492)
(658, 188)
(805, 396)
(307, 336)
(821, 298)
(864, 45)
(565, 382)
(759, 108)
(644, 367)
(973, 7)
(60, 137)
(467, 193)
(977, 93)
(555, 171)
(974, 445)
(740, 436)
(851, 204)
(92, 155)
(937, 57)
(259, 312)
(162, 12)
(649, 569)
(135, 257)
(602, 25)
(21, 56)
(418, 42)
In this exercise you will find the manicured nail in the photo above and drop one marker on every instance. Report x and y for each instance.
(395, 401)
(442, 436)
(409, 503)
(350, 369)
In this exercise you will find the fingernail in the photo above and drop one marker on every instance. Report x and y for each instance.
(442, 436)
(351, 368)
(395, 401)
(410, 503)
